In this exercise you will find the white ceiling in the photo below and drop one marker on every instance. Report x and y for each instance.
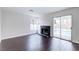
(37, 10)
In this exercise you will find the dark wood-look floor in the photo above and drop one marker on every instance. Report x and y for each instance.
(37, 43)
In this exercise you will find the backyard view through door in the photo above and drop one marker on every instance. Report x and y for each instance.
(62, 27)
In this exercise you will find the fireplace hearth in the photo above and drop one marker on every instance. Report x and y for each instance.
(45, 31)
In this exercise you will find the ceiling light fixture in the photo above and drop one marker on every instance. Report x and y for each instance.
(31, 10)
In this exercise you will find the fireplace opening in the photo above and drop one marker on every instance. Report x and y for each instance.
(45, 30)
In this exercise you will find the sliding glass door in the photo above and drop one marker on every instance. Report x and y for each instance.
(62, 27)
(66, 27)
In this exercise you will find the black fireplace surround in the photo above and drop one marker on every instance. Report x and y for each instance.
(45, 31)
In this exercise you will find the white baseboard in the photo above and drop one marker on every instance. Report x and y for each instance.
(75, 41)
(16, 36)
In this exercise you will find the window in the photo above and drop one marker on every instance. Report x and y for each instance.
(34, 25)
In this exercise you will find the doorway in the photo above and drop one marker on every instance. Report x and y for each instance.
(62, 27)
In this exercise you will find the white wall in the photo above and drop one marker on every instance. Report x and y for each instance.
(15, 24)
(0, 23)
(45, 21)
(75, 21)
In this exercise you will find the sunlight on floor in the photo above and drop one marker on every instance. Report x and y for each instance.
(34, 43)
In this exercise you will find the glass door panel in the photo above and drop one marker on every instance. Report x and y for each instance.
(66, 27)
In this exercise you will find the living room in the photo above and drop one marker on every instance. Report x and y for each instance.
(39, 29)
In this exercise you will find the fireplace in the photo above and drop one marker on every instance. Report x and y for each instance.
(45, 31)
